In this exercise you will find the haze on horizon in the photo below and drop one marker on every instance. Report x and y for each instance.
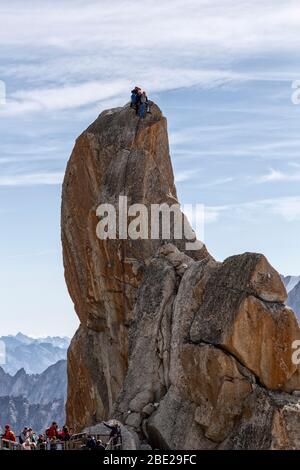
(222, 73)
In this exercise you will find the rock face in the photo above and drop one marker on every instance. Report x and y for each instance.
(186, 352)
(118, 155)
(245, 294)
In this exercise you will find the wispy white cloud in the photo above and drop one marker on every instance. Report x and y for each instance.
(192, 175)
(212, 214)
(32, 179)
(218, 182)
(235, 140)
(246, 26)
(83, 52)
(66, 97)
(288, 208)
(275, 176)
(185, 175)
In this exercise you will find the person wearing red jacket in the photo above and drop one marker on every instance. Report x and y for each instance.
(52, 431)
(8, 435)
(64, 435)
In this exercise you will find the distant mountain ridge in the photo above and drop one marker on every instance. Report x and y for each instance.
(34, 355)
(38, 388)
(33, 400)
(292, 284)
(18, 412)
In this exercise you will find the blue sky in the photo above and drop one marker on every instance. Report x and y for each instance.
(221, 71)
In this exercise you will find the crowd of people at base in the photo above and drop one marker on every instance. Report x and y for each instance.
(140, 102)
(29, 440)
(54, 437)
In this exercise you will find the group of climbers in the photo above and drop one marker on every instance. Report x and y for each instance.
(140, 102)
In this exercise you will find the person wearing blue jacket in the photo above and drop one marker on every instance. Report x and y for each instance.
(134, 97)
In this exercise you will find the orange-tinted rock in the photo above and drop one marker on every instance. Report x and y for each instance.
(183, 350)
(261, 338)
(235, 315)
(118, 155)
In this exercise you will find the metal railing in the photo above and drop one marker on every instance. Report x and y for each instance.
(5, 444)
(76, 442)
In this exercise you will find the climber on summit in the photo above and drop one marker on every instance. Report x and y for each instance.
(144, 104)
(134, 97)
(139, 102)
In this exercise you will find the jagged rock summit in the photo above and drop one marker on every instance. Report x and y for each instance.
(187, 352)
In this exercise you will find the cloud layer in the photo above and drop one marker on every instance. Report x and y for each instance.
(72, 54)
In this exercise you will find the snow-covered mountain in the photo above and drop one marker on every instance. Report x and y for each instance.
(292, 284)
(34, 355)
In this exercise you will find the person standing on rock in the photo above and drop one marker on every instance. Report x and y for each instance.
(144, 105)
(115, 436)
(134, 97)
(138, 102)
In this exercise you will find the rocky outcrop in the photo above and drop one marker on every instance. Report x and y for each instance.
(245, 294)
(186, 352)
(211, 385)
(118, 155)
